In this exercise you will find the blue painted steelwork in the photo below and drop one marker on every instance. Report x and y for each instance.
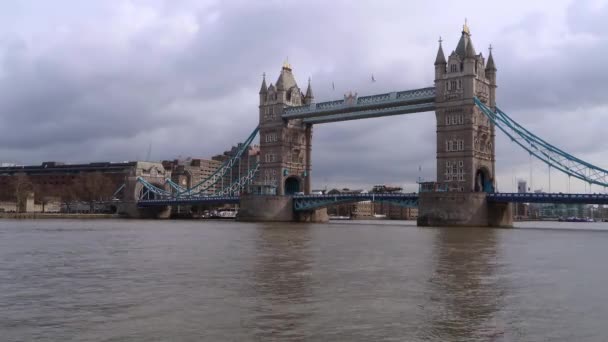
(120, 188)
(202, 188)
(153, 189)
(188, 201)
(240, 184)
(372, 113)
(310, 202)
(549, 198)
(539, 148)
(207, 186)
(403, 102)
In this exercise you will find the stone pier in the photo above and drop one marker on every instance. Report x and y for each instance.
(462, 209)
(271, 208)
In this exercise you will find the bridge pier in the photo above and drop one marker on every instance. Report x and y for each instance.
(131, 210)
(462, 209)
(271, 208)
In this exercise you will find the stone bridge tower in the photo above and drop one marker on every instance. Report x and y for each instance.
(285, 149)
(285, 146)
(466, 156)
(465, 137)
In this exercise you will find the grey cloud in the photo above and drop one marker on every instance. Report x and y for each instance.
(90, 93)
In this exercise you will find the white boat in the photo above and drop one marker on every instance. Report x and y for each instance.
(225, 214)
(333, 217)
(379, 215)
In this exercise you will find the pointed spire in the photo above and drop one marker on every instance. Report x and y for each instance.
(440, 55)
(470, 51)
(263, 89)
(462, 49)
(309, 90)
(490, 65)
(286, 80)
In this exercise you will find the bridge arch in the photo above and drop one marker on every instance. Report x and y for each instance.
(483, 180)
(293, 184)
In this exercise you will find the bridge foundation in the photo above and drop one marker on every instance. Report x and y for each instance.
(462, 209)
(255, 208)
(131, 210)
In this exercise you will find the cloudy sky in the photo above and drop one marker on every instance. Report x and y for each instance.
(84, 81)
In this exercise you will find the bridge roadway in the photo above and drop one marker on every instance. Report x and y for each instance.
(309, 202)
(354, 108)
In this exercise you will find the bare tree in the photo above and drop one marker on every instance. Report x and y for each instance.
(22, 187)
(68, 196)
(93, 187)
(44, 194)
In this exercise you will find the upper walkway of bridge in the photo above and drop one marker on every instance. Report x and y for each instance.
(353, 107)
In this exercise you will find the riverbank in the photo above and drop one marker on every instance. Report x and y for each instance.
(28, 216)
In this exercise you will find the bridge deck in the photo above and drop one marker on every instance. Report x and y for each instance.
(394, 103)
(549, 198)
(303, 202)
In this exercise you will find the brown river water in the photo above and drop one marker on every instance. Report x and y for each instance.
(119, 280)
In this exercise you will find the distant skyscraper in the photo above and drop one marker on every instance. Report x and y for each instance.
(521, 186)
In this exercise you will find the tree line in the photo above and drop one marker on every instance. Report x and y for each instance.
(85, 187)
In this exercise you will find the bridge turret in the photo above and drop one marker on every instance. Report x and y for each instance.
(440, 62)
(263, 89)
(309, 98)
(491, 76)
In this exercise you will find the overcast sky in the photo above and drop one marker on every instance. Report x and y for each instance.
(84, 81)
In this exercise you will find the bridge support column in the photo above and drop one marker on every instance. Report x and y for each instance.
(260, 208)
(307, 179)
(462, 209)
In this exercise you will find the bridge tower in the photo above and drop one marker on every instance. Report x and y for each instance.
(285, 155)
(285, 146)
(466, 159)
(465, 137)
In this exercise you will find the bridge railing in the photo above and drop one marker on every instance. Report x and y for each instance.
(316, 201)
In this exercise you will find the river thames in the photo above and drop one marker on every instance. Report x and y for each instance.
(118, 280)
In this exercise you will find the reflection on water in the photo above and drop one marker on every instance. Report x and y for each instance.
(465, 290)
(282, 282)
(351, 281)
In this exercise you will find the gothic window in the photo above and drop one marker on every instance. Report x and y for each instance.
(272, 137)
(453, 85)
(461, 66)
(453, 68)
(448, 171)
(459, 84)
(270, 157)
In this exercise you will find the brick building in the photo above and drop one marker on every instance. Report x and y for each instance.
(66, 181)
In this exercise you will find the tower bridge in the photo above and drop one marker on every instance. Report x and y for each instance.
(463, 98)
